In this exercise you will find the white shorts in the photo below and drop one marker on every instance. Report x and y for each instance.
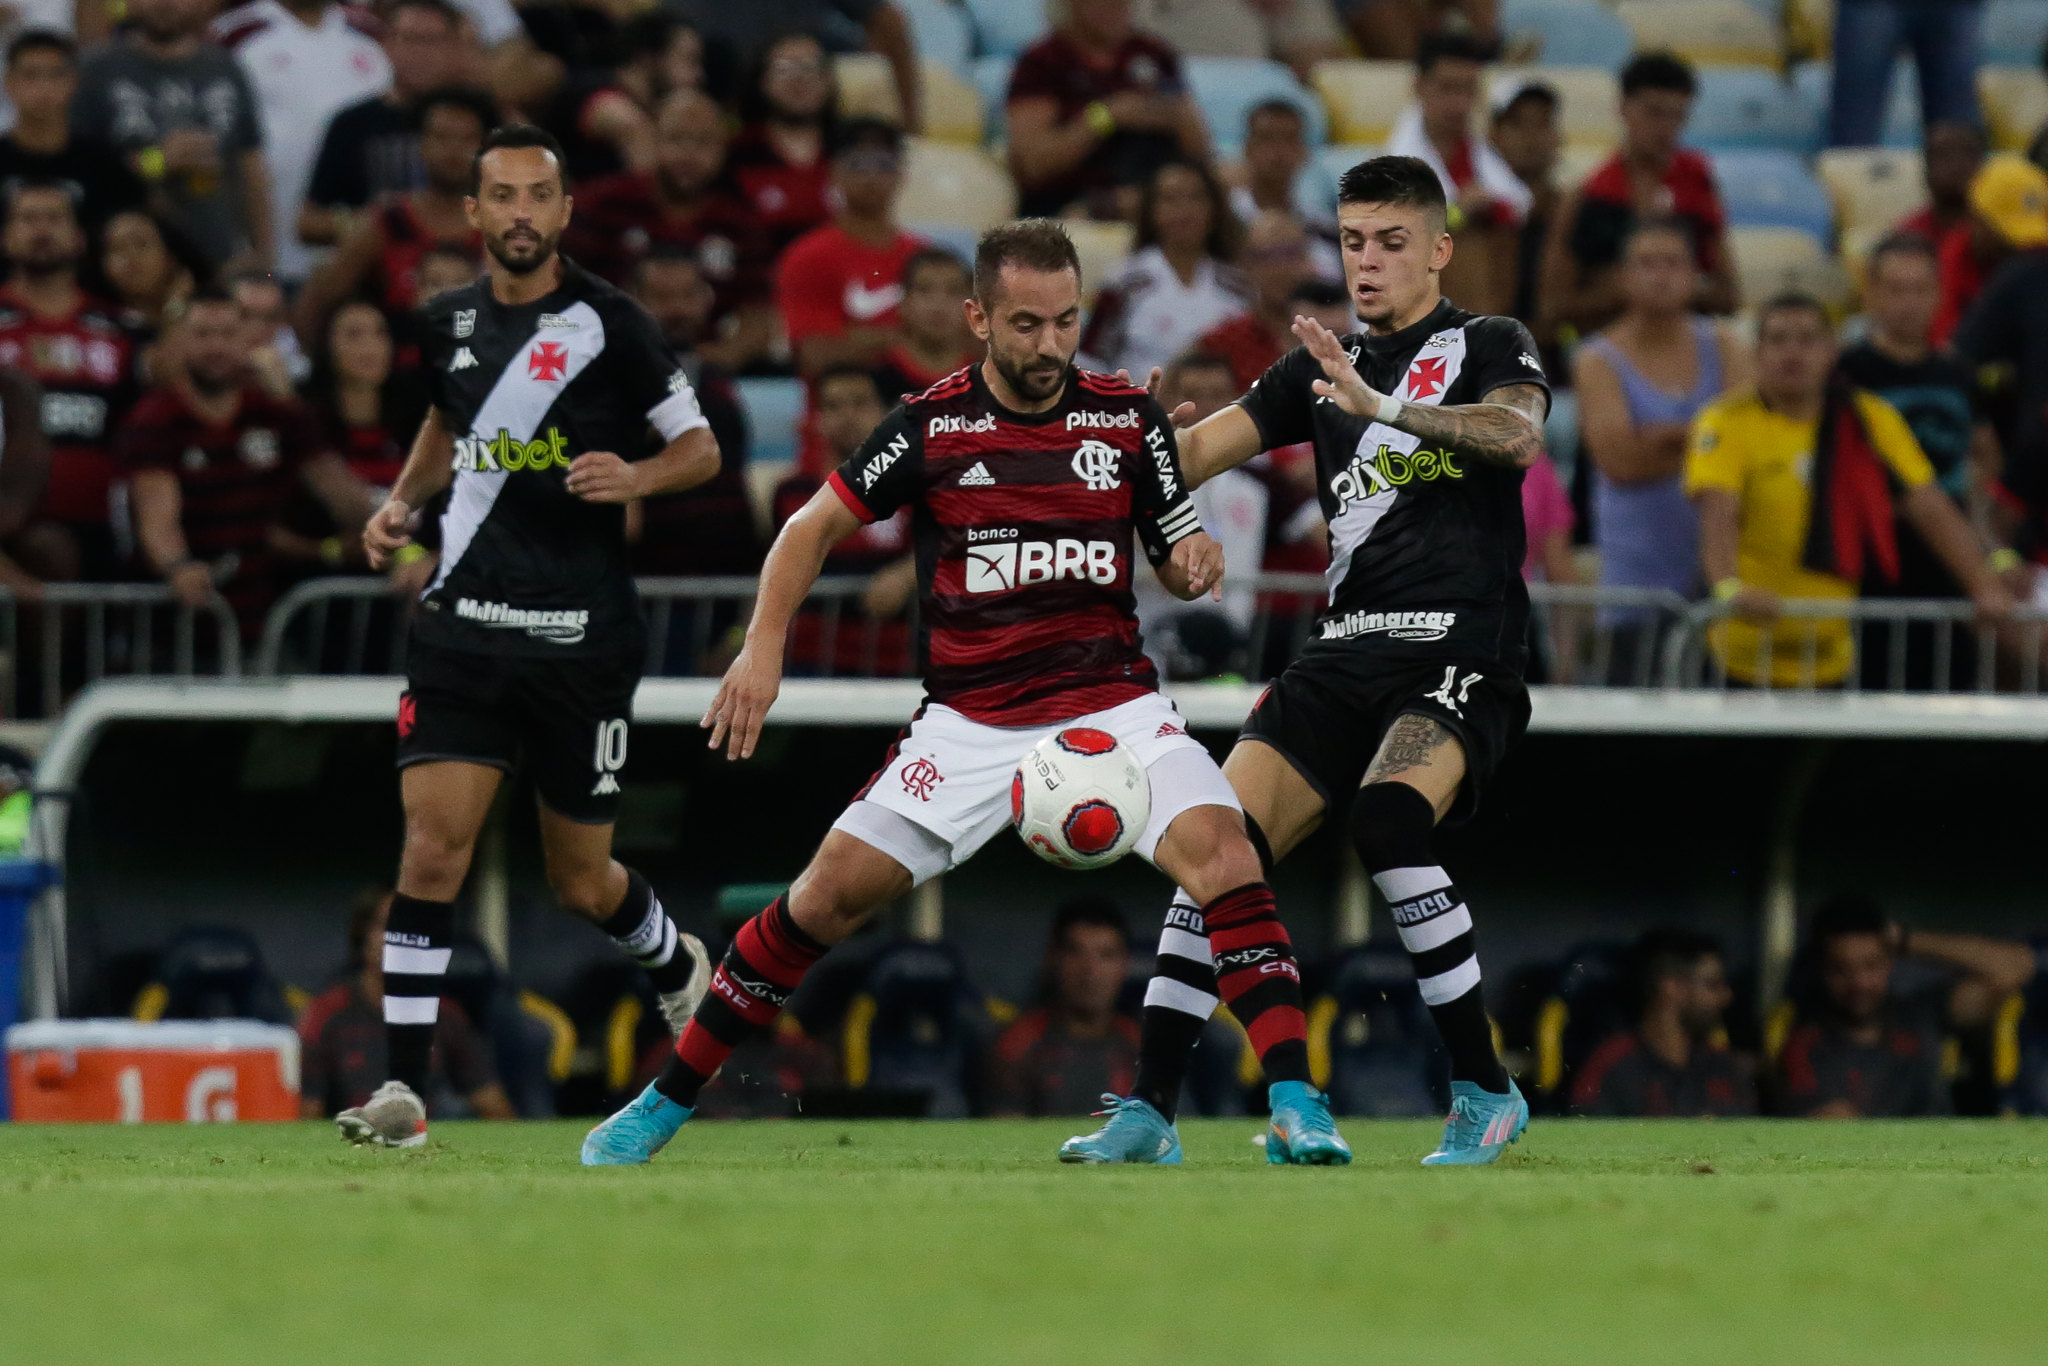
(945, 792)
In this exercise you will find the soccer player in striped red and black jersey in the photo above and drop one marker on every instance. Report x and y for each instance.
(1026, 480)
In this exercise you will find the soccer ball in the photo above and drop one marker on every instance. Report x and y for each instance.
(1080, 799)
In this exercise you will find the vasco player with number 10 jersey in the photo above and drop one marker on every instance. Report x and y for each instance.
(1025, 478)
(528, 641)
(1410, 689)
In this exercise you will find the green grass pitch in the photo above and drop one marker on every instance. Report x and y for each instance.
(899, 1244)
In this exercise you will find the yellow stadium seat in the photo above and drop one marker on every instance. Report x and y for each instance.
(1364, 98)
(1589, 114)
(1102, 248)
(952, 109)
(963, 186)
(2015, 101)
(1707, 32)
(1873, 187)
(1810, 29)
(1773, 260)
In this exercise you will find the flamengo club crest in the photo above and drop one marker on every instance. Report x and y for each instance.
(1096, 462)
(920, 778)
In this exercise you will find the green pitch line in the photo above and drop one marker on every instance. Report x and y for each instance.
(816, 1244)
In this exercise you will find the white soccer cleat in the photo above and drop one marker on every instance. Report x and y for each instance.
(393, 1117)
(678, 1006)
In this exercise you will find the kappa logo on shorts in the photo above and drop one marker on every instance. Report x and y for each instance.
(920, 778)
(1451, 680)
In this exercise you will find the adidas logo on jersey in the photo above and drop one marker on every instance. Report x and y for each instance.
(463, 360)
(978, 477)
(1100, 420)
(939, 426)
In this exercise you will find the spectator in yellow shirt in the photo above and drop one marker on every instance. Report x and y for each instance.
(1796, 481)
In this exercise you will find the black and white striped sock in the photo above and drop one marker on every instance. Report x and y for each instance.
(418, 940)
(642, 928)
(1178, 1003)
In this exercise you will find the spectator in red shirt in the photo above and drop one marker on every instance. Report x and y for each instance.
(382, 252)
(936, 338)
(1954, 154)
(1276, 264)
(1094, 107)
(213, 462)
(782, 160)
(1675, 1062)
(2008, 200)
(1649, 176)
(341, 1038)
(849, 407)
(1062, 1056)
(78, 350)
(685, 200)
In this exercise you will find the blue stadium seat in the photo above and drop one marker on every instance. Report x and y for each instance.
(991, 80)
(1741, 106)
(1228, 88)
(1006, 27)
(775, 411)
(1765, 189)
(1570, 32)
(1902, 127)
(942, 31)
(957, 238)
(1369, 1027)
(917, 1024)
(2013, 32)
(213, 973)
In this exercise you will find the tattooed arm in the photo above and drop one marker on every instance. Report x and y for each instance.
(1507, 429)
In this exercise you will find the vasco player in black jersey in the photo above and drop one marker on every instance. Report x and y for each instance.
(1026, 478)
(1409, 690)
(544, 382)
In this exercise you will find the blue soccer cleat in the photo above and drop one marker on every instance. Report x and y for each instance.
(635, 1134)
(1301, 1130)
(1480, 1126)
(1135, 1133)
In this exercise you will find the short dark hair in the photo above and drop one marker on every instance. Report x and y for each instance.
(1406, 181)
(464, 97)
(1658, 71)
(854, 134)
(1671, 223)
(1903, 243)
(667, 254)
(41, 40)
(930, 257)
(516, 135)
(36, 184)
(1541, 91)
(848, 371)
(1847, 913)
(1226, 234)
(1791, 301)
(1665, 952)
(1088, 910)
(1276, 106)
(1447, 47)
(1031, 243)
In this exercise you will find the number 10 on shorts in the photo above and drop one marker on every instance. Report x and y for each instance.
(609, 756)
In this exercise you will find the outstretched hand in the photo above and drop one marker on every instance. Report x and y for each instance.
(1200, 558)
(1182, 416)
(740, 709)
(1341, 383)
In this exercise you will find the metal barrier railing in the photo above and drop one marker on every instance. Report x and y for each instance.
(73, 634)
(1934, 645)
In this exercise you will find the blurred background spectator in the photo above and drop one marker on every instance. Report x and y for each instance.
(1953, 155)
(1675, 1059)
(748, 32)
(1300, 33)
(936, 338)
(2008, 217)
(1179, 282)
(151, 276)
(782, 159)
(42, 78)
(1525, 135)
(1276, 266)
(1276, 152)
(1074, 1046)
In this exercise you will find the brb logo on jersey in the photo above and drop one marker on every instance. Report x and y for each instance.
(504, 452)
(1097, 463)
(1009, 563)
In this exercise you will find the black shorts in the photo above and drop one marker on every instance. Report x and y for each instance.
(1329, 711)
(568, 718)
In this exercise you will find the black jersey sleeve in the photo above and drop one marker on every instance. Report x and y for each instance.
(1161, 507)
(887, 471)
(1499, 352)
(1281, 401)
(649, 375)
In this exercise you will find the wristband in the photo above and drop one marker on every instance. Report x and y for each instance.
(412, 552)
(330, 551)
(1099, 120)
(2004, 560)
(1390, 409)
(150, 162)
(1727, 588)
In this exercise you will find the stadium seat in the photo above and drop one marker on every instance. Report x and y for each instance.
(1567, 32)
(1561, 1012)
(915, 1028)
(2015, 103)
(1811, 82)
(213, 973)
(1561, 427)
(1227, 88)
(954, 237)
(775, 409)
(1590, 114)
(1809, 29)
(952, 109)
(947, 183)
(1772, 260)
(991, 77)
(1364, 98)
(1704, 32)
(1007, 27)
(2013, 31)
(1371, 1043)
(1873, 187)
(942, 31)
(1769, 189)
(1103, 248)
(1745, 107)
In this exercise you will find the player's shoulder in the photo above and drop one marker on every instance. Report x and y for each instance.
(1097, 386)
(943, 396)
(450, 305)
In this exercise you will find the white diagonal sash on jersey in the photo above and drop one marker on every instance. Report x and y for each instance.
(515, 405)
(1356, 519)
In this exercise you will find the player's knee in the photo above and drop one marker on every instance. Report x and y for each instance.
(1390, 827)
(828, 907)
(581, 890)
(435, 852)
(1214, 853)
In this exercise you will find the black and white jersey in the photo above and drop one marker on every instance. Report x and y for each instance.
(1426, 544)
(527, 568)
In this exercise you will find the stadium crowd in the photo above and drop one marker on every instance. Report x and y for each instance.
(218, 220)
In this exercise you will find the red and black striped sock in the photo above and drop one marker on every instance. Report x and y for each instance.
(766, 960)
(1257, 977)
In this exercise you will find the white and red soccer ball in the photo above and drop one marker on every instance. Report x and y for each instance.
(1080, 799)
